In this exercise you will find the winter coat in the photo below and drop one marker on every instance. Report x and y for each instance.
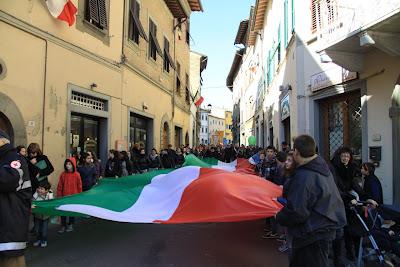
(112, 168)
(154, 162)
(38, 197)
(314, 209)
(166, 161)
(43, 167)
(142, 163)
(70, 183)
(180, 159)
(15, 202)
(372, 189)
(88, 176)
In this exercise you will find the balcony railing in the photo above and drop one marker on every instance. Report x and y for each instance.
(334, 20)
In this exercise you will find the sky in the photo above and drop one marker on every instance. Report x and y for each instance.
(213, 32)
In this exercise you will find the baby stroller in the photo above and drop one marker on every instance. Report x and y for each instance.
(369, 256)
(387, 235)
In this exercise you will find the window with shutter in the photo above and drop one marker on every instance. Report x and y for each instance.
(313, 16)
(286, 23)
(134, 11)
(93, 11)
(152, 42)
(178, 80)
(96, 13)
(102, 13)
(187, 33)
(166, 50)
(187, 98)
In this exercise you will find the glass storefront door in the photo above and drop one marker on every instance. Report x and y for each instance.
(139, 131)
(84, 134)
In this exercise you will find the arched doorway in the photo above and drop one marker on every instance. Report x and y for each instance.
(6, 126)
(164, 137)
(11, 120)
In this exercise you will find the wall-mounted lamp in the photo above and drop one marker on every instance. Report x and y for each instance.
(93, 85)
(324, 57)
(366, 39)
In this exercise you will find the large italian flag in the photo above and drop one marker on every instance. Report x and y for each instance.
(211, 192)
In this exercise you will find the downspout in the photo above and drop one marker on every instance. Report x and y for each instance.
(173, 89)
(44, 92)
(174, 83)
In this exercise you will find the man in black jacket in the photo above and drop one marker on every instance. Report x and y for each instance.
(314, 209)
(15, 202)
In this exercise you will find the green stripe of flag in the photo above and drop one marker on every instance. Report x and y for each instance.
(114, 194)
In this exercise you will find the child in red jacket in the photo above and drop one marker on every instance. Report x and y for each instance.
(70, 183)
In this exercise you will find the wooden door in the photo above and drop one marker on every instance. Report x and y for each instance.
(341, 124)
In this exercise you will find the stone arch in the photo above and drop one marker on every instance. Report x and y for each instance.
(12, 115)
(165, 132)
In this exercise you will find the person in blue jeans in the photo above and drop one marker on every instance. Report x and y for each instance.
(43, 192)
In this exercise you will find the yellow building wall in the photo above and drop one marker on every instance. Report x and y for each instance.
(137, 91)
(41, 68)
(24, 81)
(37, 14)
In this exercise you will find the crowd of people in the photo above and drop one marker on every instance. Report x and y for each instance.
(317, 194)
(317, 197)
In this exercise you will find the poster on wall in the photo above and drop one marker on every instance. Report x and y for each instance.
(285, 107)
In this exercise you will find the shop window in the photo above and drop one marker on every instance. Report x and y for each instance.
(84, 134)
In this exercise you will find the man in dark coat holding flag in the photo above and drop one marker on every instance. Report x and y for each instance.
(15, 203)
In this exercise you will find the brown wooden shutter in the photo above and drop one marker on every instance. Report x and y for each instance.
(313, 16)
(93, 11)
(134, 11)
(102, 13)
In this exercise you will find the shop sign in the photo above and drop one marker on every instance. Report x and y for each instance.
(332, 76)
(285, 107)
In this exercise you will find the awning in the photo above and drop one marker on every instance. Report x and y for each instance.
(158, 48)
(169, 58)
(241, 33)
(138, 24)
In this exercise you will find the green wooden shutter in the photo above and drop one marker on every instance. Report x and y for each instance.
(293, 21)
(286, 23)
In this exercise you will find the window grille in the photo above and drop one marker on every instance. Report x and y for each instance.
(82, 100)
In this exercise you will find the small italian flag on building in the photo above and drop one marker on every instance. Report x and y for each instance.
(63, 10)
(198, 192)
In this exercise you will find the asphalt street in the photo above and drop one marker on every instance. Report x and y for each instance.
(103, 243)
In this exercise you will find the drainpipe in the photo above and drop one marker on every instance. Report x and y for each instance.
(44, 92)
